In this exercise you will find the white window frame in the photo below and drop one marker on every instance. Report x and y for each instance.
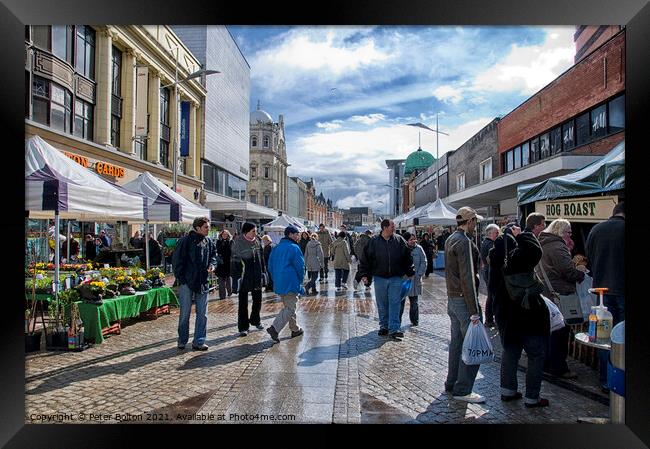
(254, 141)
(267, 172)
(459, 177)
(266, 141)
(267, 200)
(483, 164)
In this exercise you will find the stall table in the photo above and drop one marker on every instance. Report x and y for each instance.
(97, 317)
(583, 338)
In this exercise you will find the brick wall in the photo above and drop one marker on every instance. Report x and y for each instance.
(581, 87)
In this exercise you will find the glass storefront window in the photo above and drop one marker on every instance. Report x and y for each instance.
(582, 129)
(517, 155)
(534, 149)
(617, 114)
(568, 140)
(599, 121)
(525, 154)
(545, 145)
(556, 140)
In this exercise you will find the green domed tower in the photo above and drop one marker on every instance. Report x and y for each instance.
(418, 160)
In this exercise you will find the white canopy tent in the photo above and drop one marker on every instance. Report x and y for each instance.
(58, 187)
(163, 204)
(438, 213)
(275, 229)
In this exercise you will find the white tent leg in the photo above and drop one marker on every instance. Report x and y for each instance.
(146, 243)
(57, 225)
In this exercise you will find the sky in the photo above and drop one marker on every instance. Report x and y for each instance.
(347, 93)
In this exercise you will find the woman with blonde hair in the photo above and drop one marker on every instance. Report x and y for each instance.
(562, 274)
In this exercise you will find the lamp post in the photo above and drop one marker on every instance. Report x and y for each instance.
(397, 202)
(438, 132)
(176, 82)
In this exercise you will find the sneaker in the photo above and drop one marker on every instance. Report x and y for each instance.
(512, 397)
(382, 332)
(297, 333)
(397, 336)
(415, 323)
(540, 403)
(474, 398)
(273, 333)
(243, 333)
(344, 287)
(259, 326)
(203, 347)
(180, 347)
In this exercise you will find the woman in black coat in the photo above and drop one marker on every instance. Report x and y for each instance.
(91, 248)
(429, 250)
(247, 266)
(523, 325)
(224, 250)
(155, 251)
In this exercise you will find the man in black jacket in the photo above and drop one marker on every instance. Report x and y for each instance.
(195, 256)
(387, 259)
(606, 259)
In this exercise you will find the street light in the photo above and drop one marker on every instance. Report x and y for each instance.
(438, 132)
(176, 82)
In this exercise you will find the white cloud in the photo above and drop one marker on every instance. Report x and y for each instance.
(448, 94)
(529, 68)
(330, 126)
(365, 199)
(369, 119)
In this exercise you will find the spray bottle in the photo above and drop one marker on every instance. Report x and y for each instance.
(604, 318)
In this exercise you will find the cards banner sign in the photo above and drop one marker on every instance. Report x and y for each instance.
(185, 129)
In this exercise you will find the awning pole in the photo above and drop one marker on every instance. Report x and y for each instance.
(67, 246)
(146, 243)
(57, 240)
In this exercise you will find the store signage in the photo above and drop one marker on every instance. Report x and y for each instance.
(589, 210)
(103, 168)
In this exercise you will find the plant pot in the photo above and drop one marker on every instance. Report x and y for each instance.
(33, 342)
(57, 340)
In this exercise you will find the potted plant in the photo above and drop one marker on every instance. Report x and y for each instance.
(58, 337)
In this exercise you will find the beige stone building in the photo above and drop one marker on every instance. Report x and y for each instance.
(268, 180)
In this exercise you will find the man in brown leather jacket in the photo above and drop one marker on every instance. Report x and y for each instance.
(461, 274)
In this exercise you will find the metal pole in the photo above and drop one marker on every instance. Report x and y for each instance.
(67, 249)
(617, 359)
(57, 242)
(437, 161)
(146, 243)
(175, 148)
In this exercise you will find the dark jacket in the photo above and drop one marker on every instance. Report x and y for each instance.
(303, 245)
(486, 246)
(224, 249)
(91, 250)
(606, 255)
(461, 269)
(155, 252)
(386, 258)
(361, 243)
(246, 263)
(193, 255)
(560, 269)
(513, 320)
(428, 247)
(136, 242)
(266, 253)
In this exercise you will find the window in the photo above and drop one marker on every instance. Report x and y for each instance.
(509, 161)
(266, 141)
(545, 145)
(208, 177)
(517, 156)
(486, 170)
(85, 48)
(116, 103)
(253, 171)
(41, 100)
(253, 198)
(267, 200)
(525, 154)
(582, 129)
(598, 122)
(141, 148)
(568, 140)
(254, 141)
(460, 181)
(60, 108)
(617, 114)
(83, 119)
(534, 149)
(556, 140)
(266, 172)
(41, 36)
(165, 132)
(164, 153)
(62, 42)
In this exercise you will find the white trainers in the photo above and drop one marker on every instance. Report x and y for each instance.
(472, 397)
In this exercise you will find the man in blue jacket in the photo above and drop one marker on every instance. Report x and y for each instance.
(287, 268)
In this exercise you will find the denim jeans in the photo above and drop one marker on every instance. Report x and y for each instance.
(413, 309)
(535, 347)
(341, 276)
(186, 296)
(616, 306)
(460, 377)
(313, 277)
(387, 295)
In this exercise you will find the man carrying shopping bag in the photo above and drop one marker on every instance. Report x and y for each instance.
(461, 275)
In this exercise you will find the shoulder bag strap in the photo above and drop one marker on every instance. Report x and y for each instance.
(471, 266)
(548, 283)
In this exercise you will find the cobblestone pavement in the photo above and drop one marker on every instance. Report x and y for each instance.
(339, 371)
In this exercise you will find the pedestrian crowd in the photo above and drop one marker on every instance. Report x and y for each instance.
(522, 269)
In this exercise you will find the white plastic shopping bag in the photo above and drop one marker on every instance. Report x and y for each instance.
(587, 300)
(477, 347)
(557, 319)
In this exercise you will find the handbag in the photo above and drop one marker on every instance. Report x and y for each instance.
(555, 316)
(569, 305)
(520, 286)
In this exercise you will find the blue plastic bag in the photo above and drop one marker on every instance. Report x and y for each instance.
(406, 286)
(477, 347)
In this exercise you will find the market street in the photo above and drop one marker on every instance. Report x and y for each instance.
(339, 371)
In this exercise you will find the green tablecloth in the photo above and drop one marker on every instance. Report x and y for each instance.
(95, 317)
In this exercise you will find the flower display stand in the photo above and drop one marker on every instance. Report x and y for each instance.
(155, 312)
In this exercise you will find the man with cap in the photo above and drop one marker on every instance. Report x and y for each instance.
(461, 275)
(287, 267)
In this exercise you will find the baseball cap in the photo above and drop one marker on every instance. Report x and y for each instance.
(465, 214)
(290, 230)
